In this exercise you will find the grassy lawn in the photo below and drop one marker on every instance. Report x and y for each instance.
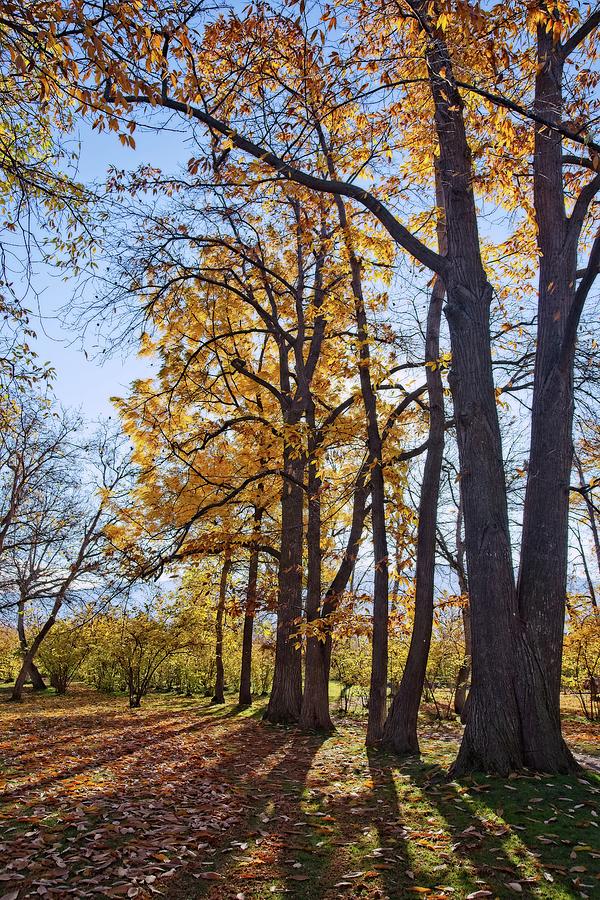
(184, 800)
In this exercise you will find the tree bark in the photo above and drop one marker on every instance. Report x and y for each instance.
(219, 694)
(37, 681)
(543, 566)
(492, 740)
(318, 663)
(314, 715)
(400, 732)
(379, 657)
(464, 672)
(245, 696)
(286, 694)
(17, 692)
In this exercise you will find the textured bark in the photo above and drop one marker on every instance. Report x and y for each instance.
(379, 655)
(314, 714)
(492, 740)
(286, 694)
(17, 691)
(400, 731)
(245, 696)
(219, 694)
(29, 656)
(318, 659)
(543, 567)
(379, 661)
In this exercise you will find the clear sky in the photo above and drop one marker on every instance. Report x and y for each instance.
(88, 382)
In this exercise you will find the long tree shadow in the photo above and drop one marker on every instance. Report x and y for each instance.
(101, 738)
(154, 807)
(448, 837)
(392, 824)
(278, 844)
(520, 830)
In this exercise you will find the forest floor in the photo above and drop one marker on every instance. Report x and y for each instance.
(184, 800)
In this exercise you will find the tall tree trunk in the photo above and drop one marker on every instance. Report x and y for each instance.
(492, 739)
(219, 695)
(379, 656)
(400, 732)
(286, 694)
(315, 701)
(245, 697)
(24, 673)
(542, 584)
(318, 662)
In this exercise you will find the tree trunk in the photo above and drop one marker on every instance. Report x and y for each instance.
(586, 493)
(492, 740)
(24, 673)
(379, 661)
(542, 584)
(464, 672)
(37, 681)
(245, 697)
(315, 715)
(318, 659)
(400, 732)
(219, 695)
(379, 658)
(286, 693)
(17, 693)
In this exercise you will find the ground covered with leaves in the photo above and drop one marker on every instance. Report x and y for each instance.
(186, 800)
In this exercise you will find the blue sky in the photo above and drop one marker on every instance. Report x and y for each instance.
(87, 383)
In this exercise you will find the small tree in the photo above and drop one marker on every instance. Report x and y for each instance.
(146, 641)
(63, 652)
(581, 670)
(9, 653)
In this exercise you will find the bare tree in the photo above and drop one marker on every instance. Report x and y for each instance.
(57, 494)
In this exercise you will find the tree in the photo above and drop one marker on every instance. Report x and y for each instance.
(582, 659)
(219, 696)
(55, 549)
(64, 651)
(484, 82)
(146, 639)
(400, 731)
(514, 710)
